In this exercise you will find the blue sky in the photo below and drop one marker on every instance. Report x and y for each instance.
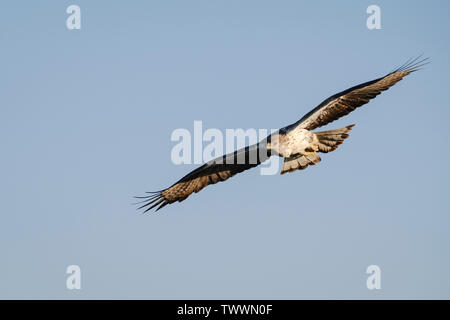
(85, 124)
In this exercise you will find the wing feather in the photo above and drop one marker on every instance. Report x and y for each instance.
(214, 171)
(348, 100)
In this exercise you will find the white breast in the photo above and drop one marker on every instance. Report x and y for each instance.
(297, 141)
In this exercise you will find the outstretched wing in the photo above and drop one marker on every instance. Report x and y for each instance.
(346, 101)
(214, 171)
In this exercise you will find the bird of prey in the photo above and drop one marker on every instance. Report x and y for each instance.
(296, 143)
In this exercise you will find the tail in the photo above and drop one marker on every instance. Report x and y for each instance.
(300, 162)
(327, 141)
(331, 139)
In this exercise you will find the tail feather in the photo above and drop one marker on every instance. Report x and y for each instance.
(329, 140)
(300, 162)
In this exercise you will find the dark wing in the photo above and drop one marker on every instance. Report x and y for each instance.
(214, 171)
(346, 101)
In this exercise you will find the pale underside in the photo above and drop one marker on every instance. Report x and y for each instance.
(300, 147)
(295, 142)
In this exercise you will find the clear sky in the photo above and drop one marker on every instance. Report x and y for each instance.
(85, 123)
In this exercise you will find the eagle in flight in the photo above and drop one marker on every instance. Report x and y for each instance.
(296, 143)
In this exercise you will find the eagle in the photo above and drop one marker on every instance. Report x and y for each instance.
(296, 143)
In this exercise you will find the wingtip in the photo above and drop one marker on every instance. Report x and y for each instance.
(162, 205)
(156, 198)
(413, 64)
